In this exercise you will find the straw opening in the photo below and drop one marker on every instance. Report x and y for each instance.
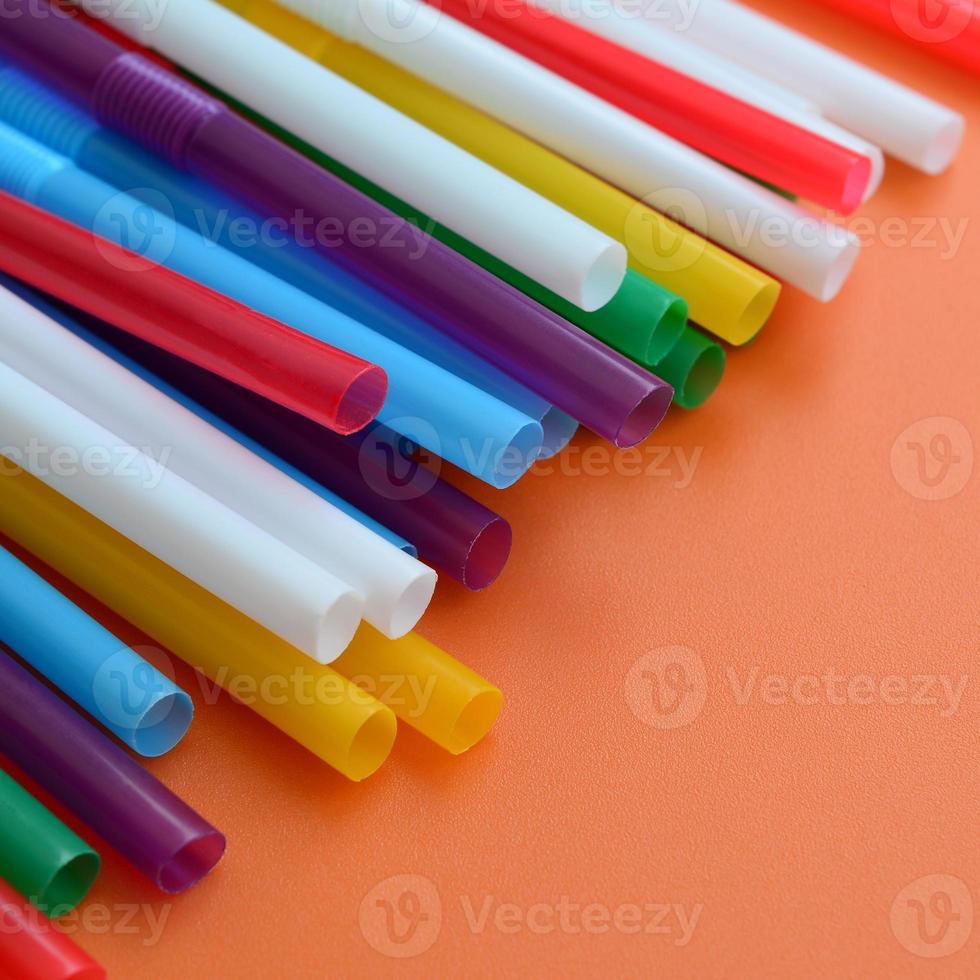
(702, 378)
(645, 417)
(487, 555)
(666, 332)
(942, 150)
(513, 461)
(338, 626)
(756, 314)
(475, 721)
(604, 278)
(71, 883)
(372, 744)
(856, 185)
(191, 863)
(410, 606)
(361, 402)
(164, 725)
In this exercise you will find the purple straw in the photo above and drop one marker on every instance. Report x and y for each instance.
(464, 539)
(170, 116)
(130, 809)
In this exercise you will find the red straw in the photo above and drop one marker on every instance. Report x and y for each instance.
(949, 29)
(719, 125)
(333, 388)
(31, 948)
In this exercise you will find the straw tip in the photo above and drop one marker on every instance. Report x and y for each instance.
(361, 401)
(646, 415)
(476, 720)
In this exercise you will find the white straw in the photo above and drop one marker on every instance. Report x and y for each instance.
(904, 123)
(396, 588)
(733, 211)
(525, 230)
(174, 520)
(671, 48)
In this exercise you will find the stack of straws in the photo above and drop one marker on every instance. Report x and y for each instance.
(214, 430)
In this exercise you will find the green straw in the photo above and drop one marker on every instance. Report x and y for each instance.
(694, 367)
(39, 856)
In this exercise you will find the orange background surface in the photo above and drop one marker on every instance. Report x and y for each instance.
(791, 826)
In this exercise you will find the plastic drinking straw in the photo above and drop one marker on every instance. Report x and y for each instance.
(548, 244)
(311, 704)
(42, 115)
(334, 388)
(902, 122)
(177, 521)
(212, 636)
(456, 415)
(41, 857)
(950, 30)
(641, 321)
(129, 808)
(750, 139)
(806, 251)
(443, 699)
(76, 321)
(339, 390)
(695, 366)
(496, 321)
(115, 685)
(670, 48)
(461, 537)
(725, 295)
(31, 949)
(729, 297)
(395, 588)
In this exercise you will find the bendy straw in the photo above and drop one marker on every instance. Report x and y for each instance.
(160, 510)
(904, 123)
(32, 949)
(737, 133)
(396, 589)
(342, 726)
(38, 112)
(42, 858)
(727, 296)
(524, 230)
(539, 349)
(456, 414)
(130, 809)
(329, 385)
(733, 211)
(114, 684)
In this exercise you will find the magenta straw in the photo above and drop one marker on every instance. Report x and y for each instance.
(464, 539)
(128, 92)
(129, 808)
